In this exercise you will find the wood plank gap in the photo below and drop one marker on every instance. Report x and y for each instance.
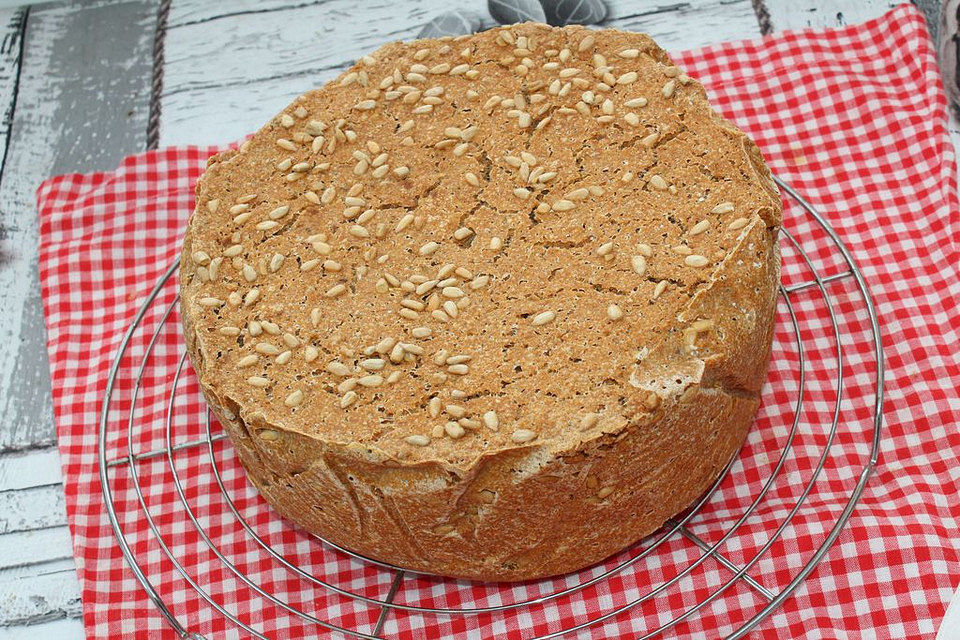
(156, 82)
(763, 16)
(303, 73)
(36, 486)
(28, 469)
(247, 12)
(22, 16)
(665, 8)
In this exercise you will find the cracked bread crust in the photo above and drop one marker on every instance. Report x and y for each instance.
(550, 293)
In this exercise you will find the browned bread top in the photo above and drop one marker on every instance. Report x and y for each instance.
(525, 238)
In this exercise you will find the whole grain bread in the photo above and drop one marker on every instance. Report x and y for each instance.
(492, 307)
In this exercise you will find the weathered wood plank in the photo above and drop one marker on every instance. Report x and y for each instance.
(14, 21)
(686, 25)
(36, 508)
(35, 468)
(217, 89)
(298, 41)
(50, 591)
(791, 14)
(190, 12)
(23, 548)
(799, 14)
(64, 629)
(82, 104)
(11, 268)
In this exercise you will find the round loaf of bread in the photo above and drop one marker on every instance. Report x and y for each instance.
(492, 307)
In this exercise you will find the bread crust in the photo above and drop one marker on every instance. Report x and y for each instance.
(498, 509)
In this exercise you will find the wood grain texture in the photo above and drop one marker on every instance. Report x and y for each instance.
(24, 548)
(29, 509)
(40, 593)
(17, 253)
(218, 89)
(37, 574)
(82, 103)
(14, 21)
(38, 581)
(59, 629)
(800, 14)
(28, 469)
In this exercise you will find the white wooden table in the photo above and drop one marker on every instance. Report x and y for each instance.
(77, 88)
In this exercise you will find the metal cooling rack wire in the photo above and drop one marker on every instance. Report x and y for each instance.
(386, 604)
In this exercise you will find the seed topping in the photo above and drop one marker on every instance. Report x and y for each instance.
(544, 317)
(343, 214)
(521, 436)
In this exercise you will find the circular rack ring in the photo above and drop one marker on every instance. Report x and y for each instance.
(642, 550)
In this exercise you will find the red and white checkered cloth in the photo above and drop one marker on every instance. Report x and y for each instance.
(854, 119)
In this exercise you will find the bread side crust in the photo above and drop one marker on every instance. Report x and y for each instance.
(508, 516)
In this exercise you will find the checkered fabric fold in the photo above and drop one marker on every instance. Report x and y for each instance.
(853, 119)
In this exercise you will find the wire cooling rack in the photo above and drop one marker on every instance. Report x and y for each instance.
(210, 451)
